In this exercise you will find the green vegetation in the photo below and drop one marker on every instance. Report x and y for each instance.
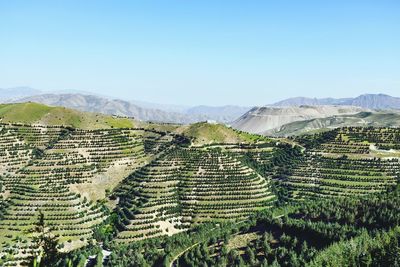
(344, 232)
(24, 112)
(64, 173)
(201, 195)
(45, 243)
(173, 193)
(381, 249)
(33, 113)
(359, 231)
(204, 133)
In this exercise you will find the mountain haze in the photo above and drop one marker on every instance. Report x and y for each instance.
(370, 101)
(377, 101)
(147, 112)
(221, 114)
(301, 101)
(93, 103)
(11, 94)
(362, 119)
(261, 119)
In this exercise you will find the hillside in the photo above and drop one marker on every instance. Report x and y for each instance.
(153, 193)
(204, 133)
(173, 193)
(199, 133)
(261, 119)
(340, 232)
(368, 101)
(365, 119)
(345, 195)
(33, 113)
(62, 173)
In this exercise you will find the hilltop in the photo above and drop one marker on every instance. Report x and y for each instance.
(204, 133)
(34, 113)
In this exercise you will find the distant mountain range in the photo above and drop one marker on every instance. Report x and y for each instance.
(220, 114)
(11, 94)
(289, 121)
(281, 118)
(139, 110)
(369, 101)
(97, 104)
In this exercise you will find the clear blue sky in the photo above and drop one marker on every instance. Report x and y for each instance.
(202, 52)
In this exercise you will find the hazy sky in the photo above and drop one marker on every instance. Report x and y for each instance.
(202, 52)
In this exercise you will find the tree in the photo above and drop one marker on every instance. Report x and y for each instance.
(37, 153)
(233, 256)
(99, 259)
(250, 256)
(45, 243)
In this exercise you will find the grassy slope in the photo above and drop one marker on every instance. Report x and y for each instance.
(33, 113)
(207, 133)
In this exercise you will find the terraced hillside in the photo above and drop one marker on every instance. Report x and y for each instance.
(125, 186)
(345, 162)
(319, 176)
(371, 141)
(62, 172)
(302, 235)
(186, 187)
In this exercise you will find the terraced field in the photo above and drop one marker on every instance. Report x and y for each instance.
(355, 140)
(346, 162)
(53, 169)
(186, 187)
(318, 176)
(158, 183)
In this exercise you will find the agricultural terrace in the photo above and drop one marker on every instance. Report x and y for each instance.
(53, 170)
(187, 186)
